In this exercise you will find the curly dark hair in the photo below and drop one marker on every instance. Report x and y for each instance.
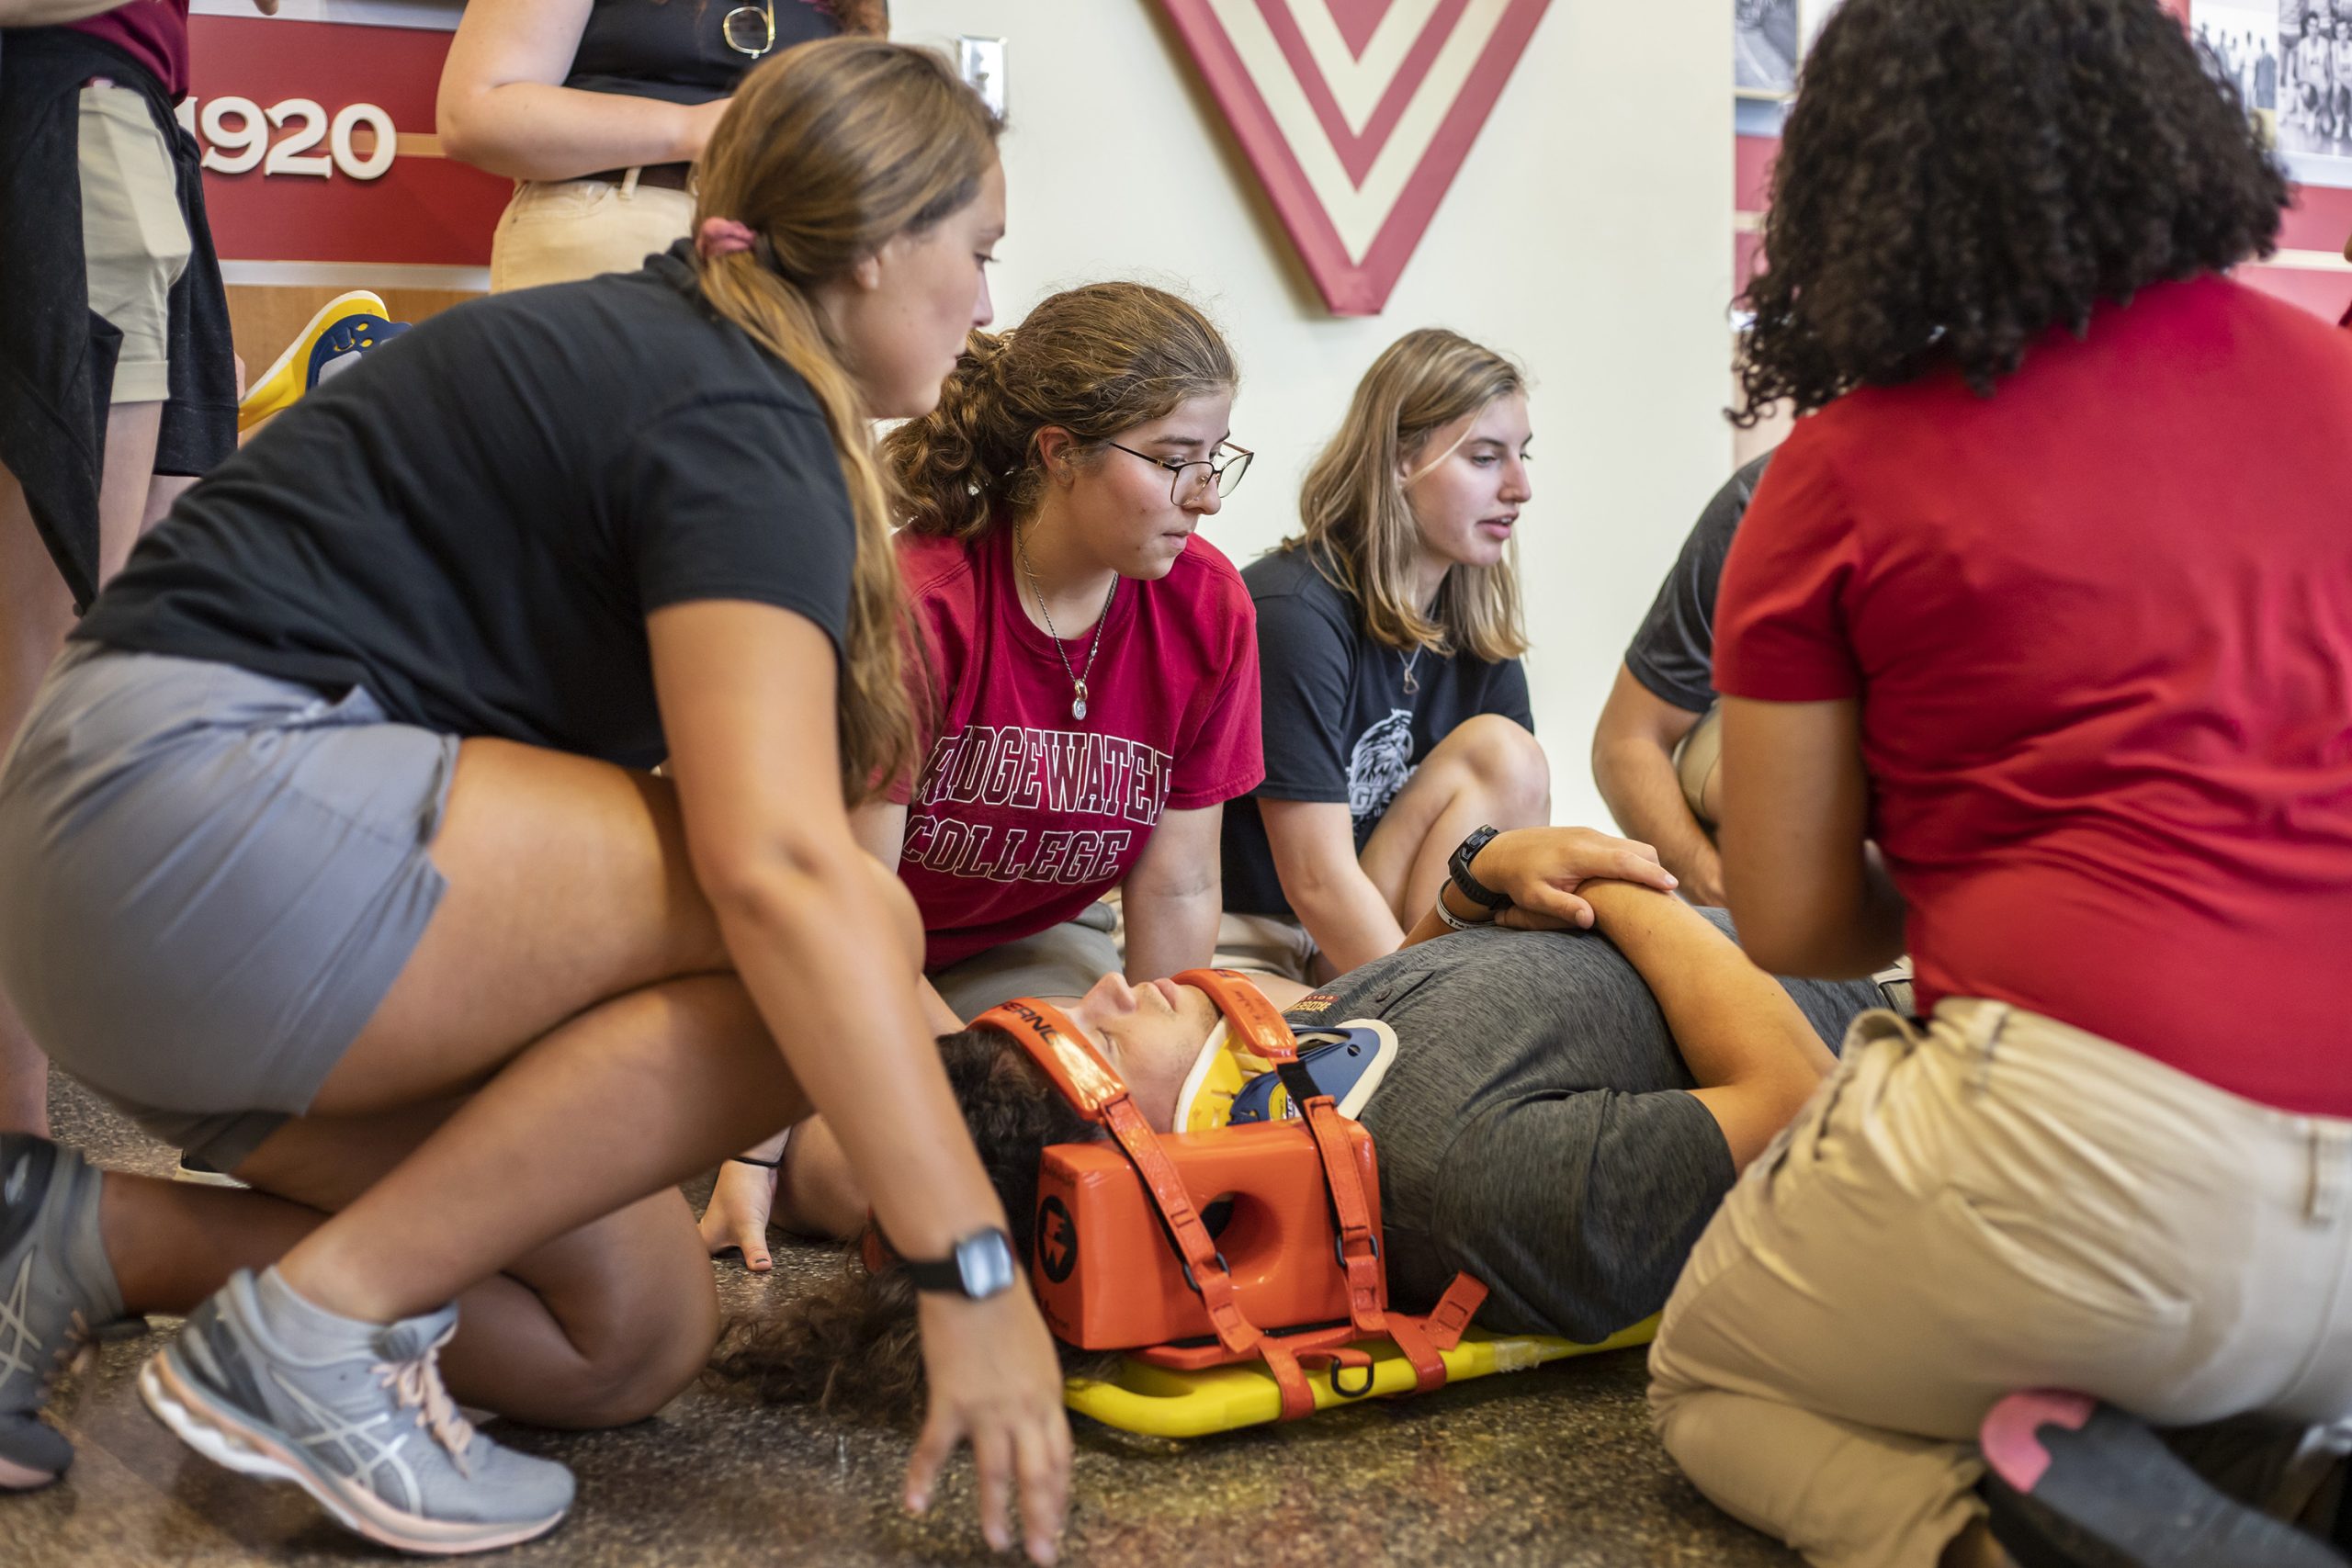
(852, 1345)
(1958, 176)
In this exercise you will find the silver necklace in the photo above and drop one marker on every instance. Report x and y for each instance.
(1077, 680)
(1412, 682)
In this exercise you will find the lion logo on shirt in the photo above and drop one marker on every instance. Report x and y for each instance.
(1381, 765)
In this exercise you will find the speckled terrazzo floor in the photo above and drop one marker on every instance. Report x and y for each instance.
(1557, 1466)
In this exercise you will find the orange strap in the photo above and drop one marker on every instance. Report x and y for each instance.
(1098, 1093)
(1268, 1034)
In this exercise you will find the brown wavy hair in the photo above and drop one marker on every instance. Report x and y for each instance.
(1359, 527)
(852, 1345)
(1095, 361)
(828, 150)
(1957, 177)
(868, 16)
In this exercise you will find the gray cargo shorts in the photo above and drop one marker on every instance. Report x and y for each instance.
(209, 880)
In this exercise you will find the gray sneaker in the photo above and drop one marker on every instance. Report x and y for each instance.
(56, 1290)
(369, 1431)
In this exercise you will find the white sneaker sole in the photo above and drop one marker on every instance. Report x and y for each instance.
(220, 1437)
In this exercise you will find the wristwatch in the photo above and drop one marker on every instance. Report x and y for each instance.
(982, 1266)
(1469, 887)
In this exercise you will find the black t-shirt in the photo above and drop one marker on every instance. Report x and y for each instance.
(1536, 1128)
(1674, 653)
(475, 520)
(676, 50)
(1339, 724)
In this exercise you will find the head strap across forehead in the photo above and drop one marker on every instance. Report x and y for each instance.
(1062, 1052)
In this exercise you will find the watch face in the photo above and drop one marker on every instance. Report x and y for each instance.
(985, 1261)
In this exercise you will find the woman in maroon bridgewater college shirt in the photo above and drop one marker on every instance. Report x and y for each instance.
(2049, 595)
(1090, 670)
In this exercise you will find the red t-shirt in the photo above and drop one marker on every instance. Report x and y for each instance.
(2100, 626)
(153, 32)
(1022, 815)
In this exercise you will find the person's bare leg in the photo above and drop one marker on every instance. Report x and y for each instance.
(601, 1326)
(637, 1094)
(1487, 770)
(816, 1192)
(36, 612)
(574, 965)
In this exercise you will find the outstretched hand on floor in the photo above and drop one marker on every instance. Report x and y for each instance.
(996, 1378)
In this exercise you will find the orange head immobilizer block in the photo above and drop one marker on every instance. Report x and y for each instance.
(1125, 1258)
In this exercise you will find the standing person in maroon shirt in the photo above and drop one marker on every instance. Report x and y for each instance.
(2049, 595)
(1090, 670)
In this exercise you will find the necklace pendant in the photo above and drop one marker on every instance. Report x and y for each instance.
(1078, 701)
(1412, 683)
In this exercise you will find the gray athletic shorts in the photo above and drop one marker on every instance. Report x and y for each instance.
(209, 879)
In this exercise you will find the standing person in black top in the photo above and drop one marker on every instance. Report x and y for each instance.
(1655, 749)
(598, 108)
(1396, 710)
(329, 850)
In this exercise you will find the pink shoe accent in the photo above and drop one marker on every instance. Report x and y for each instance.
(15, 1477)
(2011, 1438)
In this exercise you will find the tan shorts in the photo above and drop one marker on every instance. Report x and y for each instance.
(1990, 1202)
(134, 242)
(563, 231)
(1060, 960)
(1698, 763)
(1266, 944)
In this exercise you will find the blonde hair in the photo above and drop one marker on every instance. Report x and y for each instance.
(828, 150)
(1359, 524)
(1095, 361)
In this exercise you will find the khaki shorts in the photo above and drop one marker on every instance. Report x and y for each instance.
(1266, 944)
(1060, 960)
(134, 242)
(563, 231)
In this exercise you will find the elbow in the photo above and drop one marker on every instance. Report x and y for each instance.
(457, 133)
(468, 134)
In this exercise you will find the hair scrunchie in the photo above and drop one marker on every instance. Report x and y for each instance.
(722, 237)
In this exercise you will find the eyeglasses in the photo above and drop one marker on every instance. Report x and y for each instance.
(750, 30)
(1187, 485)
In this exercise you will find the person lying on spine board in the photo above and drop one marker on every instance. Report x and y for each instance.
(1558, 1111)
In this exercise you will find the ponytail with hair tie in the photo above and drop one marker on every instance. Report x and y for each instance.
(722, 237)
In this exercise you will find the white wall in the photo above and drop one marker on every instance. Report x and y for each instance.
(1588, 233)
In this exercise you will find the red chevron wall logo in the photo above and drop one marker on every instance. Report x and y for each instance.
(1357, 115)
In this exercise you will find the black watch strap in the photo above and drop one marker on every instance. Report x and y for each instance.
(1469, 887)
(982, 1266)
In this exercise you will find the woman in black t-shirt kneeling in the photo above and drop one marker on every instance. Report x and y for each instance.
(330, 850)
(1396, 710)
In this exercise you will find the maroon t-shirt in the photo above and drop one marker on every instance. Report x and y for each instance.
(153, 32)
(2100, 628)
(1022, 815)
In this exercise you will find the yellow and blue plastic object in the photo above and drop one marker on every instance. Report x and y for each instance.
(1160, 1403)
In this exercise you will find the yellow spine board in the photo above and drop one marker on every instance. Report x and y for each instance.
(1164, 1404)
